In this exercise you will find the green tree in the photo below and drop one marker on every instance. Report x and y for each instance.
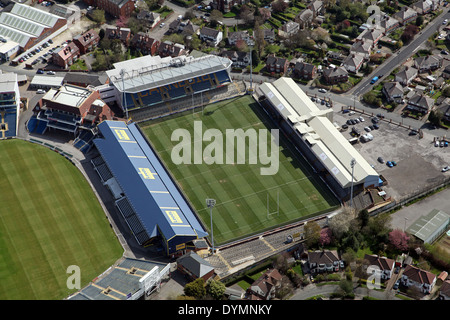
(215, 289)
(195, 288)
(98, 16)
(312, 233)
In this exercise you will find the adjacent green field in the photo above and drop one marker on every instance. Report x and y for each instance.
(240, 190)
(50, 219)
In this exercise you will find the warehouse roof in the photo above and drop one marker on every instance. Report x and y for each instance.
(427, 226)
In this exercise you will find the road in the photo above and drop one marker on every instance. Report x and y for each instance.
(404, 53)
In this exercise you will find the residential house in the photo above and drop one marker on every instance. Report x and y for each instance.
(421, 103)
(393, 91)
(428, 63)
(446, 72)
(234, 37)
(116, 8)
(305, 70)
(373, 35)
(211, 36)
(335, 75)
(363, 47)
(389, 24)
(444, 109)
(406, 75)
(189, 29)
(423, 280)
(269, 35)
(122, 34)
(171, 49)
(66, 56)
(422, 6)
(87, 41)
(151, 18)
(288, 29)
(240, 59)
(381, 266)
(305, 18)
(179, 25)
(275, 64)
(405, 15)
(264, 287)
(353, 62)
(444, 293)
(194, 266)
(145, 44)
(323, 261)
(316, 7)
(226, 5)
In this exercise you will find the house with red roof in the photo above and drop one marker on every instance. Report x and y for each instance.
(423, 280)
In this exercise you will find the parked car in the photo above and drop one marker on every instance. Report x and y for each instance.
(361, 119)
(380, 160)
(345, 111)
(412, 132)
(40, 71)
(394, 163)
(52, 73)
(376, 126)
(351, 113)
(445, 169)
(322, 90)
(375, 120)
(389, 164)
(344, 126)
(396, 285)
(397, 270)
(40, 91)
(367, 129)
(436, 143)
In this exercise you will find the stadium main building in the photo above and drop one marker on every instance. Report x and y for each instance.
(152, 81)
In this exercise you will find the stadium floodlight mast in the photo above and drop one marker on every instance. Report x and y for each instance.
(352, 164)
(124, 101)
(210, 203)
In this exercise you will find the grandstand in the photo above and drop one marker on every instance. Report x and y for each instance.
(145, 195)
(9, 105)
(319, 141)
(154, 81)
(129, 280)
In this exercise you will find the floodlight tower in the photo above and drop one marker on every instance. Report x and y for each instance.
(124, 100)
(210, 203)
(352, 164)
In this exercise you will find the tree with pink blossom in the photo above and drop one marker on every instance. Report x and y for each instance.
(326, 236)
(399, 239)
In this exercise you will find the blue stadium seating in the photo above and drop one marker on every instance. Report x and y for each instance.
(174, 91)
(9, 116)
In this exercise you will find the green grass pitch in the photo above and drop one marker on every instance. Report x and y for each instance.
(50, 219)
(239, 189)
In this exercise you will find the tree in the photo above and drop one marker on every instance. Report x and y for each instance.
(215, 16)
(372, 99)
(340, 223)
(363, 217)
(265, 14)
(279, 6)
(435, 117)
(399, 239)
(419, 21)
(215, 289)
(312, 233)
(326, 236)
(195, 288)
(98, 16)
(246, 14)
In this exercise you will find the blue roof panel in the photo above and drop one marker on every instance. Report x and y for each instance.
(149, 189)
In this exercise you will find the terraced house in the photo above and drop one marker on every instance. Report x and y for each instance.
(116, 8)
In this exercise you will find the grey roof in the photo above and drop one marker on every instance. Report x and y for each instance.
(421, 100)
(195, 264)
(426, 226)
(393, 88)
(177, 69)
(320, 257)
(335, 72)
